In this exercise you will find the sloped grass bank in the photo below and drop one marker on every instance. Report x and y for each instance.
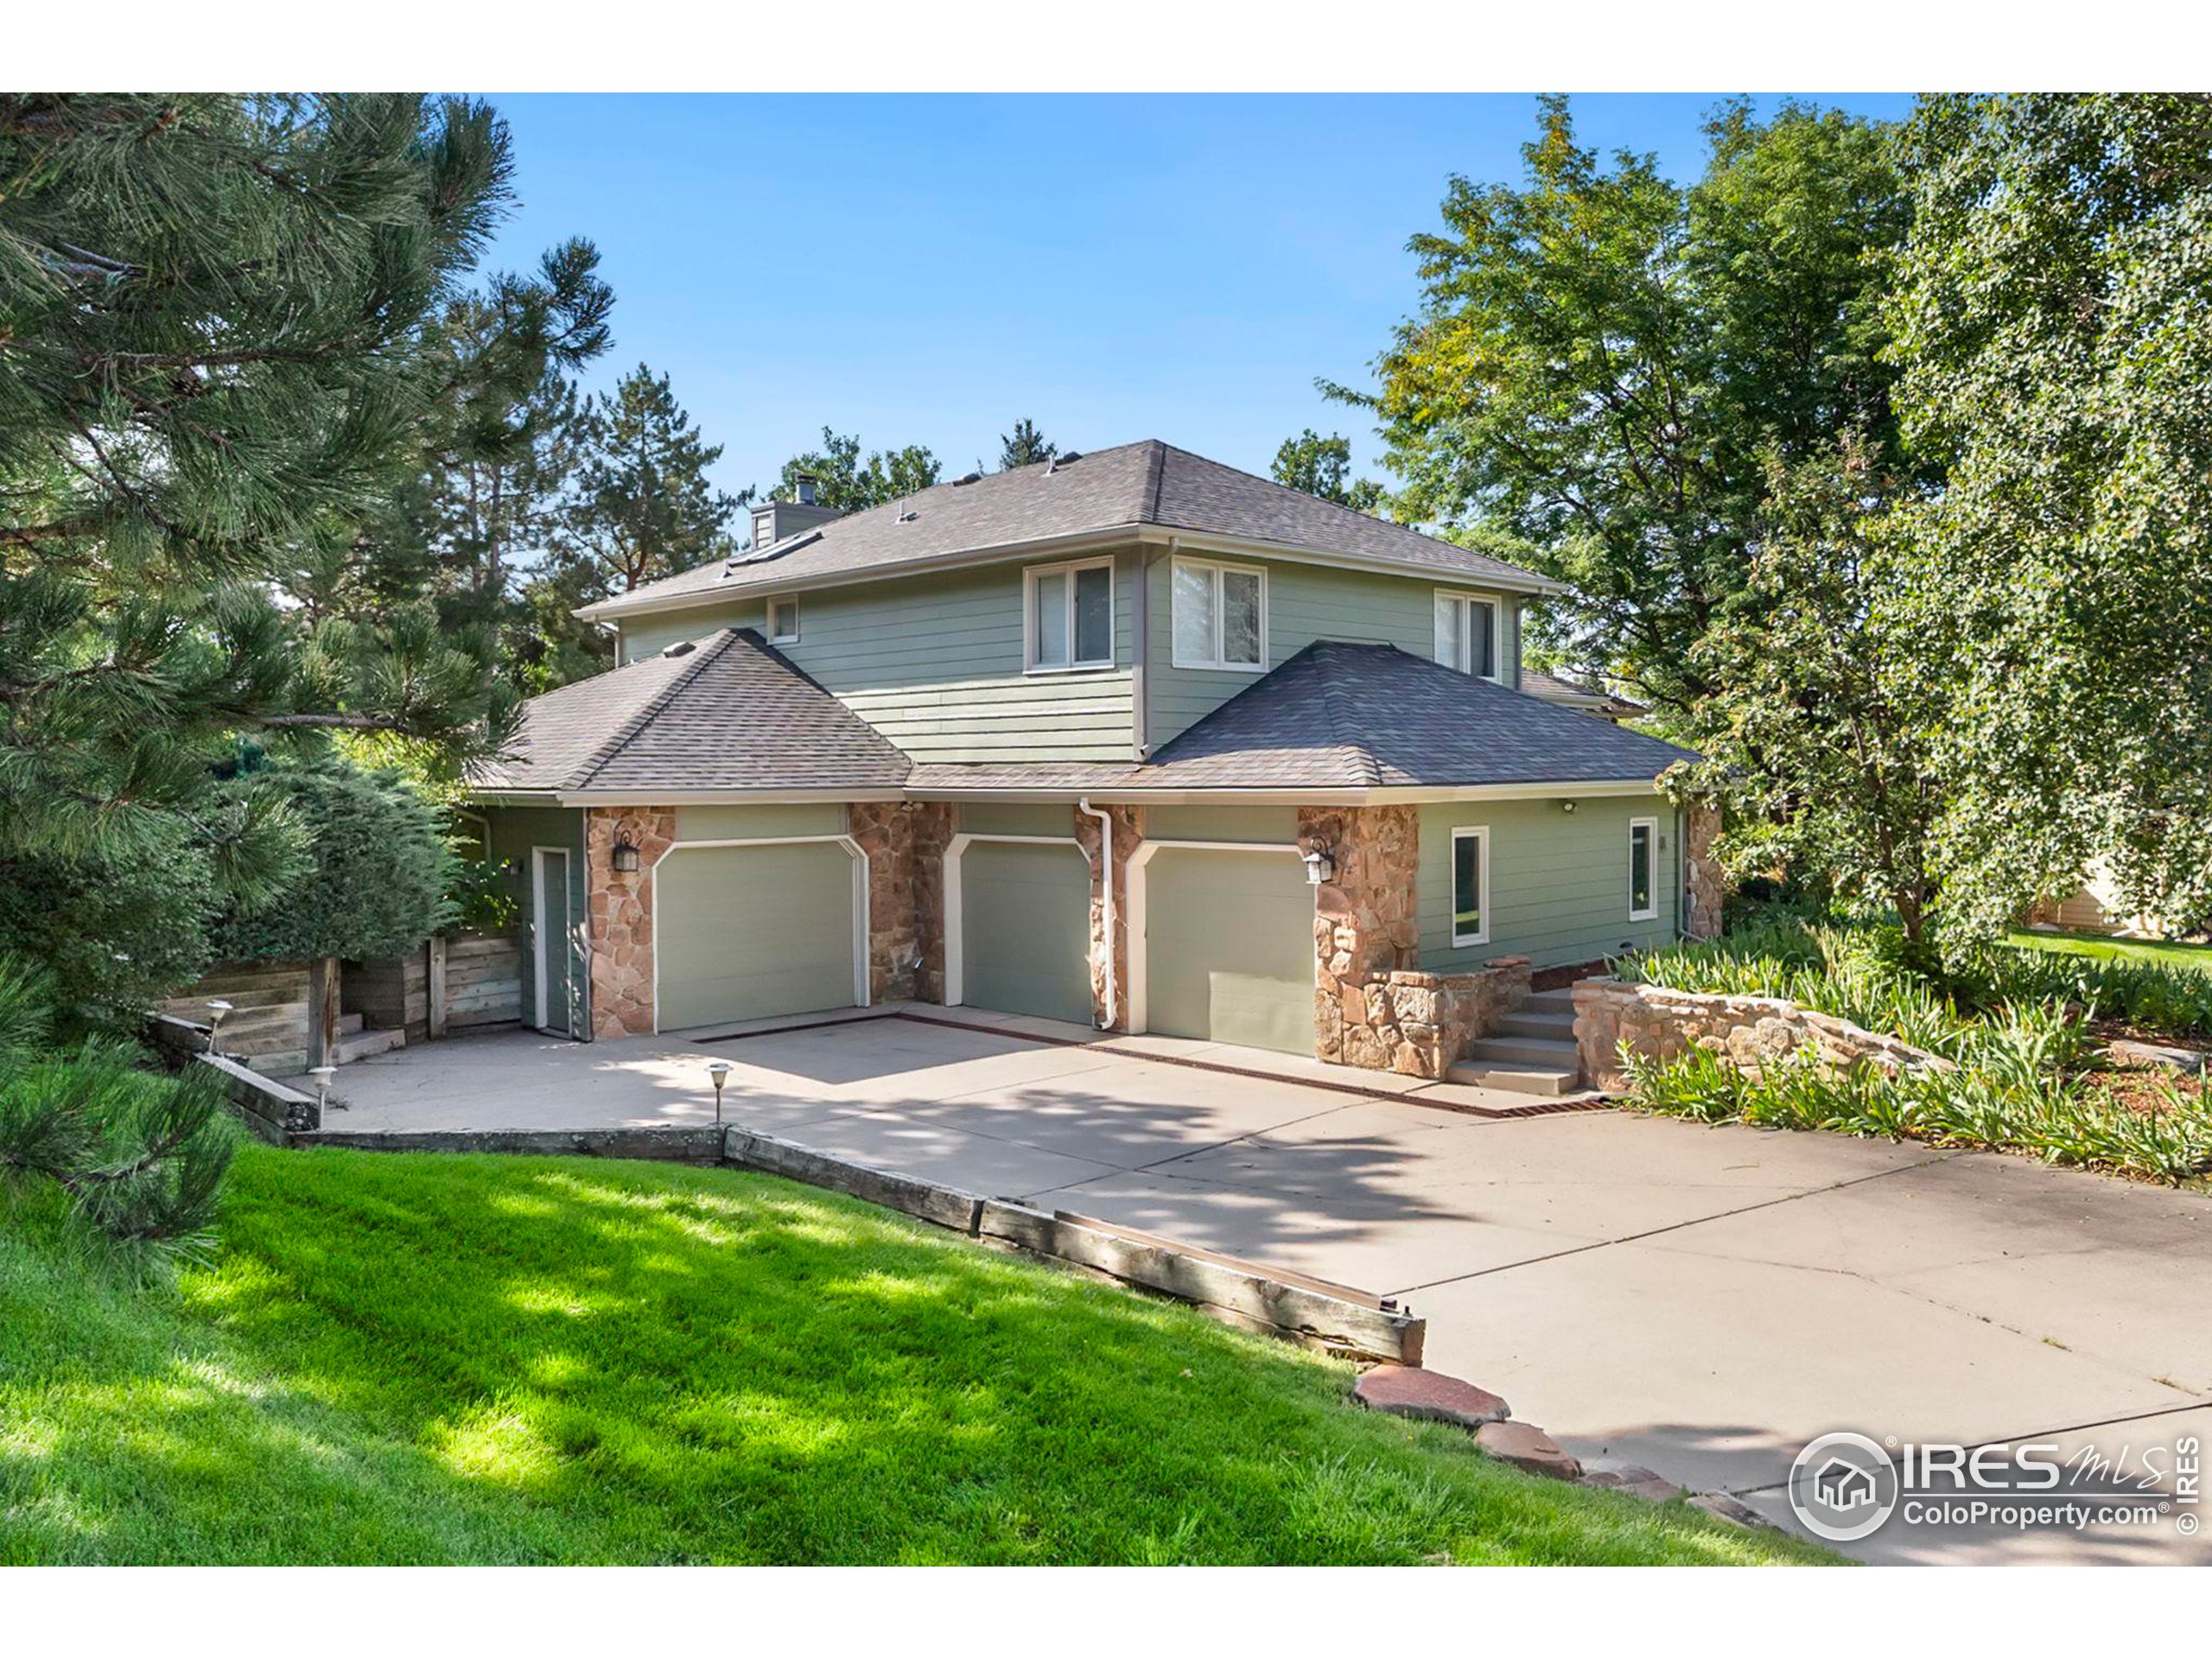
(429, 1358)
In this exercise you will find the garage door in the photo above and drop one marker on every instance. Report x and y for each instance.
(747, 932)
(1229, 948)
(1024, 928)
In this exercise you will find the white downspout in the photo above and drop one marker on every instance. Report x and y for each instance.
(1106, 884)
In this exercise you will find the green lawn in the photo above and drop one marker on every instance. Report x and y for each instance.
(425, 1358)
(2157, 951)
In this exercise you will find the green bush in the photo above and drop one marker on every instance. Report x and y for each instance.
(113, 932)
(378, 877)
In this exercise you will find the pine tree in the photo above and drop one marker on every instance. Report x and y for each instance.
(639, 505)
(220, 341)
(1024, 446)
(844, 481)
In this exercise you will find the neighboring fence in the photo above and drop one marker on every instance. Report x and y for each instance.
(286, 1016)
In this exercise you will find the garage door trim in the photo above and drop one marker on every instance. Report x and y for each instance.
(1139, 944)
(853, 850)
(955, 966)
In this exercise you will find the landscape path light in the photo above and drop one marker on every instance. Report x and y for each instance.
(216, 1010)
(719, 1071)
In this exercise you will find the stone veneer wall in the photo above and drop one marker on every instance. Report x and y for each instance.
(904, 843)
(622, 915)
(1129, 835)
(1707, 889)
(1373, 1007)
(1659, 1024)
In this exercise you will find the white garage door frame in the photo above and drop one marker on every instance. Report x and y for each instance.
(1140, 940)
(956, 951)
(853, 850)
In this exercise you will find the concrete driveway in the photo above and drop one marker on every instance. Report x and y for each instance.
(1701, 1300)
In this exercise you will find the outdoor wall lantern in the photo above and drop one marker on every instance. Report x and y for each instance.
(1566, 807)
(719, 1071)
(1320, 866)
(626, 858)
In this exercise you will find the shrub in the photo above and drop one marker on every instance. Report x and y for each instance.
(378, 876)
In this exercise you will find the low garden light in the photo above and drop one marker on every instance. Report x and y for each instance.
(1320, 866)
(323, 1075)
(216, 1010)
(719, 1071)
(626, 858)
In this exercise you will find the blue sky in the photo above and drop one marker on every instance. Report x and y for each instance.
(927, 270)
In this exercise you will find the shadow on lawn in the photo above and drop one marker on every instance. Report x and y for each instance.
(477, 1358)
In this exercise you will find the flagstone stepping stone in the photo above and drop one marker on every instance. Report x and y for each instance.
(1634, 1479)
(1526, 1447)
(1408, 1391)
(1721, 1507)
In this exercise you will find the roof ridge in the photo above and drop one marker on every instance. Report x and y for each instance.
(1333, 699)
(620, 738)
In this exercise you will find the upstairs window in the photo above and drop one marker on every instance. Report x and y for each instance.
(1070, 620)
(783, 621)
(1642, 869)
(1470, 886)
(1220, 616)
(1467, 634)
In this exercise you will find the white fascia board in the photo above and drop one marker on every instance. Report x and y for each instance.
(722, 796)
(512, 797)
(1197, 541)
(723, 593)
(1397, 797)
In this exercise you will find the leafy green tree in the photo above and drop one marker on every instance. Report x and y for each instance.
(219, 349)
(1322, 467)
(2049, 317)
(846, 482)
(378, 877)
(1605, 363)
(1024, 446)
(1817, 735)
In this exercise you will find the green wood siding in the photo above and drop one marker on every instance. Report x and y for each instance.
(1017, 818)
(1229, 948)
(745, 933)
(1558, 881)
(510, 834)
(936, 665)
(1024, 932)
(1272, 823)
(758, 823)
(1304, 603)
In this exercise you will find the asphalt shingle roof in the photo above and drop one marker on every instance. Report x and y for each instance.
(729, 712)
(1340, 716)
(1142, 484)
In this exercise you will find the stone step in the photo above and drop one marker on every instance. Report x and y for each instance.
(1525, 1050)
(1520, 1080)
(1555, 1024)
(362, 1045)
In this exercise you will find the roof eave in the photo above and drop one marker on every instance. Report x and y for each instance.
(1515, 581)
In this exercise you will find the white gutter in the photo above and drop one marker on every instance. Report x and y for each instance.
(1106, 883)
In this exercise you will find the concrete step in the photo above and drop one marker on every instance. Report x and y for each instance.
(1547, 1052)
(348, 1024)
(361, 1044)
(1556, 1025)
(1558, 1001)
(1521, 1080)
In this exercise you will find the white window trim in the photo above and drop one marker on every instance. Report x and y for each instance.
(1217, 569)
(1461, 597)
(1469, 832)
(798, 622)
(1652, 914)
(1029, 663)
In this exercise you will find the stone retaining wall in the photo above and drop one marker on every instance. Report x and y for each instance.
(1659, 1024)
(1415, 1023)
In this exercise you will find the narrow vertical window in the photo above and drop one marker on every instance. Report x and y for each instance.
(1470, 885)
(783, 621)
(1642, 869)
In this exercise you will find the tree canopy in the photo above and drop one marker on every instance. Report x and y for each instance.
(1322, 467)
(843, 481)
(1025, 446)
